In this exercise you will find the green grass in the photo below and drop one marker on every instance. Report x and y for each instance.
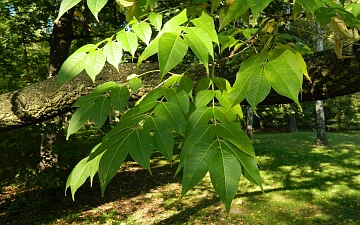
(303, 184)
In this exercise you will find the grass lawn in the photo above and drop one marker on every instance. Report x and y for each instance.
(304, 184)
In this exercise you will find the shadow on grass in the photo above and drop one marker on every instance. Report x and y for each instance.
(299, 172)
(324, 179)
(53, 205)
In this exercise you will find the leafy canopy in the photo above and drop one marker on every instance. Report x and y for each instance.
(207, 115)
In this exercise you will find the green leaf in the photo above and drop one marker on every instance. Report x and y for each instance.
(172, 80)
(65, 6)
(224, 115)
(139, 109)
(124, 125)
(257, 6)
(171, 52)
(95, 63)
(249, 167)
(221, 83)
(135, 83)
(298, 55)
(153, 95)
(203, 84)
(141, 147)
(233, 133)
(324, 15)
(197, 164)
(93, 164)
(119, 97)
(223, 98)
(201, 133)
(113, 51)
(78, 176)
(203, 97)
(143, 31)
(180, 98)
(137, 9)
(105, 87)
(95, 6)
(200, 116)
(238, 111)
(172, 114)
(214, 5)
(174, 22)
(86, 99)
(86, 48)
(101, 111)
(186, 84)
(128, 41)
(80, 117)
(237, 95)
(206, 22)
(285, 75)
(259, 87)
(308, 5)
(225, 172)
(71, 67)
(109, 142)
(150, 50)
(156, 20)
(249, 68)
(163, 137)
(200, 44)
(237, 8)
(354, 8)
(111, 161)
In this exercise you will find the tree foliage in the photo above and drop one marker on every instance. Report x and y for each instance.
(207, 114)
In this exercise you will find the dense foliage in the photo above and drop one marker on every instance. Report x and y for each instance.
(207, 115)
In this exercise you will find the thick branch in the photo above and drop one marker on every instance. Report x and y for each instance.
(41, 101)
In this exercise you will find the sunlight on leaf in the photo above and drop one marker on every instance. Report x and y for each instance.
(171, 52)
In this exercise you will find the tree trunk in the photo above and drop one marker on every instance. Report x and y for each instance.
(320, 124)
(39, 102)
(60, 41)
(249, 122)
(319, 105)
(291, 123)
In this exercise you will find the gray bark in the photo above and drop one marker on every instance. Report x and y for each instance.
(320, 124)
(249, 122)
(319, 105)
(36, 103)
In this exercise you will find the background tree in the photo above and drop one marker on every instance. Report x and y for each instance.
(211, 109)
(319, 106)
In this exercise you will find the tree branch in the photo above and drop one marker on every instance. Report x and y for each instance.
(330, 76)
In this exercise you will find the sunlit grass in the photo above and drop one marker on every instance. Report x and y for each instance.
(303, 184)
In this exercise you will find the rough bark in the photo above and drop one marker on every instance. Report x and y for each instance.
(320, 124)
(330, 76)
(291, 127)
(60, 41)
(319, 105)
(249, 122)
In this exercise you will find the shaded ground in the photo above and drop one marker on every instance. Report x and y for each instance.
(303, 184)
